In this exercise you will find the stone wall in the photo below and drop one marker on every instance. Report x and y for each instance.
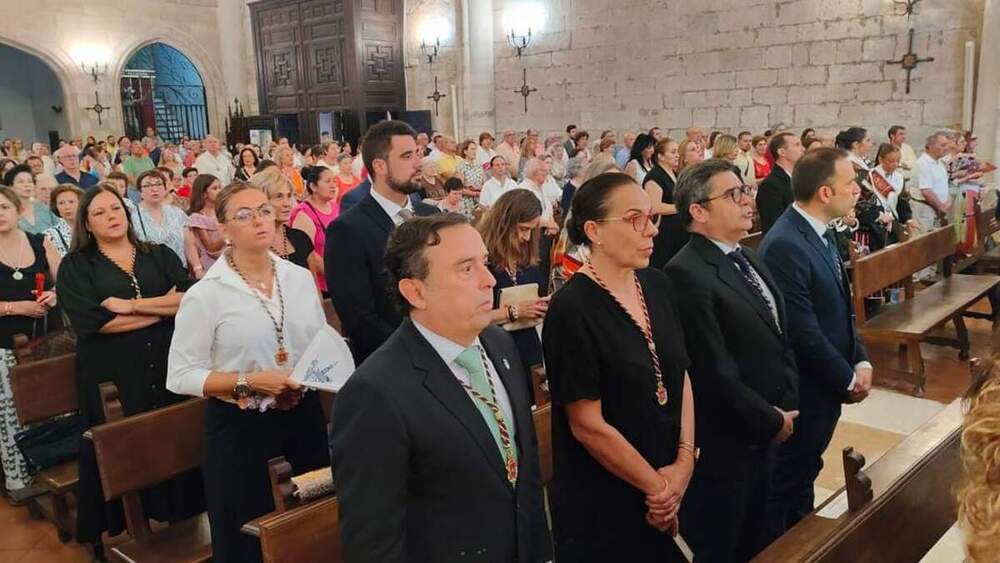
(730, 64)
(53, 29)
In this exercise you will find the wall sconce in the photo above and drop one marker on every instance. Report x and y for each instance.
(906, 7)
(520, 21)
(431, 32)
(93, 60)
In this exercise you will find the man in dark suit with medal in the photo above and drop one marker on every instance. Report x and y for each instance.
(355, 241)
(742, 369)
(801, 252)
(433, 445)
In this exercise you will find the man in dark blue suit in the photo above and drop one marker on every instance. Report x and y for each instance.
(801, 253)
(355, 241)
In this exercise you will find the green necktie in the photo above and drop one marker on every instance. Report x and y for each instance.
(471, 360)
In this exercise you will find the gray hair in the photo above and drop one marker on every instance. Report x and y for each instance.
(946, 133)
(693, 185)
(532, 167)
(574, 167)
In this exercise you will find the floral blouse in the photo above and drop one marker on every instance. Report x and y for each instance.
(170, 232)
(61, 236)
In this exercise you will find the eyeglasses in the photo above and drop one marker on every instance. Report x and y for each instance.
(733, 193)
(639, 222)
(244, 215)
(152, 184)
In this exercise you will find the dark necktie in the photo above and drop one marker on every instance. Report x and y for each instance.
(743, 264)
(834, 249)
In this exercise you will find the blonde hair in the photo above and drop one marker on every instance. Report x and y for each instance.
(979, 490)
(269, 180)
(724, 144)
(601, 164)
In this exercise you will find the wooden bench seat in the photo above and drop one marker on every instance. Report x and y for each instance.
(140, 451)
(44, 389)
(306, 532)
(915, 317)
(911, 322)
(894, 510)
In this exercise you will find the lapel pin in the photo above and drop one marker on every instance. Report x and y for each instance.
(506, 364)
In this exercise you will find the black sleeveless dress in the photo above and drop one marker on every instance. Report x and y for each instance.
(672, 236)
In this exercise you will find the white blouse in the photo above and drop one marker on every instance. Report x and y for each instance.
(221, 325)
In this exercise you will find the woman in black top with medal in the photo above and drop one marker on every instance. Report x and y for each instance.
(120, 296)
(623, 424)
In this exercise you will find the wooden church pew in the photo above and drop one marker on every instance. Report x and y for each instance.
(306, 532)
(139, 451)
(44, 389)
(917, 317)
(895, 510)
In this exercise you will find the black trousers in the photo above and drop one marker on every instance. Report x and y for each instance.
(238, 445)
(722, 514)
(798, 462)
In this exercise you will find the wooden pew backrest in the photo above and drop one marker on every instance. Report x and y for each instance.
(543, 431)
(880, 269)
(44, 389)
(149, 448)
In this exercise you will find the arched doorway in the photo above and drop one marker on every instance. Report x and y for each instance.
(31, 99)
(161, 89)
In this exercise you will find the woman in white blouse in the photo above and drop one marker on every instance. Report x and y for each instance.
(238, 333)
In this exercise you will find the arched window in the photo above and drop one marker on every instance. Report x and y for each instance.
(163, 90)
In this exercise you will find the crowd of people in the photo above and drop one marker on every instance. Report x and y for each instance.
(695, 382)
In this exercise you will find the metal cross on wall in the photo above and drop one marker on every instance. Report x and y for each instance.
(436, 96)
(98, 108)
(910, 61)
(524, 90)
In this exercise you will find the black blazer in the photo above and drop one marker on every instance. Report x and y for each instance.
(742, 364)
(774, 195)
(419, 476)
(356, 276)
(820, 315)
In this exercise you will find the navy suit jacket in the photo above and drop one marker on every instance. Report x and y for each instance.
(419, 476)
(356, 276)
(818, 305)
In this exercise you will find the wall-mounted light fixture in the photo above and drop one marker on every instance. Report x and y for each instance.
(93, 59)
(431, 32)
(521, 22)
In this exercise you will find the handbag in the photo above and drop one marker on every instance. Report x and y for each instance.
(50, 443)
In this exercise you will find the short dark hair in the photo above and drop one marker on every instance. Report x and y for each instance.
(8, 178)
(120, 176)
(742, 133)
(814, 169)
(895, 129)
(846, 138)
(59, 190)
(570, 128)
(777, 143)
(378, 140)
(184, 174)
(590, 203)
(692, 184)
(147, 174)
(405, 250)
(453, 184)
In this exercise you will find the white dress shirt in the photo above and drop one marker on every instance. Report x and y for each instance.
(820, 229)
(220, 166)
(392, 208)
(929, 174)
(449, 350)
(895, 180)
(221, 325)
(493, 189)
(540, 194)
(484, 156)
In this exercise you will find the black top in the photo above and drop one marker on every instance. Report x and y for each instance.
(528, 343)
(242, 175)
(135, 361)
(23, 290)
(302, 245)
(672, 235)
(594, 350)
(773, 197)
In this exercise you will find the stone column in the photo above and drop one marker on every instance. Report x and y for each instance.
(477, 94)
(985, 119)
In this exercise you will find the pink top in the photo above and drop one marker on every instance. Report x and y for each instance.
(209, 223)
(321, 221)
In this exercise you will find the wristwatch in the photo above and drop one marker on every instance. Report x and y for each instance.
(242, 390)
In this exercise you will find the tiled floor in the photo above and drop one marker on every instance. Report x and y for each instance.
(872, 427)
